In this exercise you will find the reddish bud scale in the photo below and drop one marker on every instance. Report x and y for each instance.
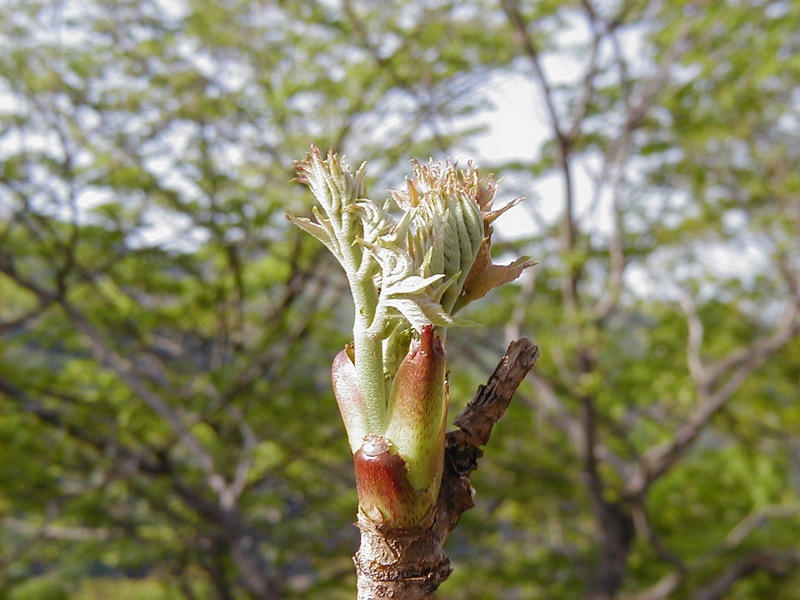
(418, 410)
(385, 494)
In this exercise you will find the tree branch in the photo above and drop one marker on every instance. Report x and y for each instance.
(774, 564)
(664, 587)
(562, 141)
(475, 424)
(587, 84)
(694, 340)
(657, 460)
(131, 374)
(786, 328)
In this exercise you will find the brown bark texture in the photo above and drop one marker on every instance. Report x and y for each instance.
(410, 564)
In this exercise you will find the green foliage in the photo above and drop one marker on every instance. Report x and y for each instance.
(167, 428)
(40, 588)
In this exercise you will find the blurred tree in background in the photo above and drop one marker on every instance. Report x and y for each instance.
(167, 428)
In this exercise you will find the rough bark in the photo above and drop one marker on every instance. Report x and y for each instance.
(399, 564)
(411, 564)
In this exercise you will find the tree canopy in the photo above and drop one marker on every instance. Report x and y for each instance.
(166, 418)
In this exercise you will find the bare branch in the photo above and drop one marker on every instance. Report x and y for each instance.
(24, 319)
(757, 519)
(738, 367)
(547, 398)
(615, 524)
(644, 528)
(594, 482)
(127, 463)
(587, 85)
(475, 424)
(616, 251)
(513, 328)
(786, 327)
(512, 10)
(128, 372)
(239, 482)
(636, 112)
(694, 342)
(664, 588)
(569, 285)
(775, 564)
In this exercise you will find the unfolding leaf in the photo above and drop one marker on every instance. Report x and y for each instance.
(485, 276)
(309, 226)
(422, 313)
(413, 283)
